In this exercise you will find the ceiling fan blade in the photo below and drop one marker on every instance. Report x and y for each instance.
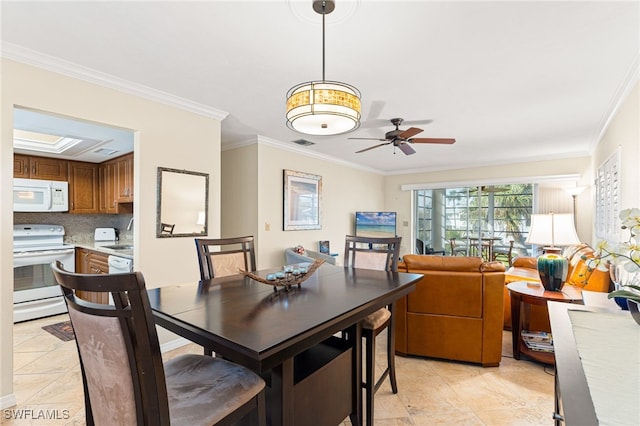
(371, 123)
(416, 122)
(369, 139)
(406, 148)
(375, 110)
(372, 147)
(411, 131)
(432, 140)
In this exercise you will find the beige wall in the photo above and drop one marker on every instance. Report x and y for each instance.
(344, 190)
(165, 136)
(240, 194)
(624, 132)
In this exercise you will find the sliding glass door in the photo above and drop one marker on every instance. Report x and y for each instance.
(471, 215)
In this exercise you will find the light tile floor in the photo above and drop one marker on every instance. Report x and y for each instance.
(47, 383)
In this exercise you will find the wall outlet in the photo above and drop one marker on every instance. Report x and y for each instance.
(405, 223)
(267, 226)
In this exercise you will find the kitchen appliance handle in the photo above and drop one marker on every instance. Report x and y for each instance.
(25, 255)
(50, 193)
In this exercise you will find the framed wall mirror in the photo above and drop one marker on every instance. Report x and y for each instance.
(183, 200)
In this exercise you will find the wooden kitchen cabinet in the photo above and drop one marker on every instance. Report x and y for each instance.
(116, 185)
(84, 189)
(21, 167)
(107, 178)
(124, 178)
(45, 168)
(92, 262)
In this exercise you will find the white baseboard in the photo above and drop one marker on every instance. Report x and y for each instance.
(8, 401)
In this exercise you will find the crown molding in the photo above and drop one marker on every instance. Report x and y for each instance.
(288, 146)
(619, 97)
(27, 56)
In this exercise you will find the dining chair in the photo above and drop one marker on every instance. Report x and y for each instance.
(504, 254)
(419, 246)
(124, 378)
(220, 257)
(457, 249)
(167, 228)
(380, 254)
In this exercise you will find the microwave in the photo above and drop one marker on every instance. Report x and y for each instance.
(35, 195)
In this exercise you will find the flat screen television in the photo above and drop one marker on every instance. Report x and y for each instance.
(375, 224)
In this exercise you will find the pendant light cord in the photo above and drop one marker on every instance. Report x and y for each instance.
(324, 12)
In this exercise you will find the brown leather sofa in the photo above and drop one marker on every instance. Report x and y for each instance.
(456, 311)
(579, 274)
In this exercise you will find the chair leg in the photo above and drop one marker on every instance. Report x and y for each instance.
(391, 358)
(369, 384)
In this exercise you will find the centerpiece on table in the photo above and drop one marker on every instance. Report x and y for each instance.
(289, 276)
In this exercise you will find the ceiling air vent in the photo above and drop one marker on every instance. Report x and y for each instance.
(303, 142)
(105, 151)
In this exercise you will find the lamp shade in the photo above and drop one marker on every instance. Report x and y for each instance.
(551, 230)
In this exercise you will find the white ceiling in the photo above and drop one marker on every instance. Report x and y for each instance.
(511, 81)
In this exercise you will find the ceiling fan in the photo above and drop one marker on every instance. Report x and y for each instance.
(399, 138)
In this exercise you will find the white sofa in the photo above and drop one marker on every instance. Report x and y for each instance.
(291, 257)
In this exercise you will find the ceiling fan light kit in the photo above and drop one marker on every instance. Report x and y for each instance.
(323, 107)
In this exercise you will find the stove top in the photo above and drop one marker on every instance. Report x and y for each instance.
(33, 237)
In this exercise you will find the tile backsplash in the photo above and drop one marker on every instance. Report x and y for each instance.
(79, 228)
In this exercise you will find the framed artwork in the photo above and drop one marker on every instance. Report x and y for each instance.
(324, 247)
(302, 198)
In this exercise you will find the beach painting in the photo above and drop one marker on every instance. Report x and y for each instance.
(375, 224)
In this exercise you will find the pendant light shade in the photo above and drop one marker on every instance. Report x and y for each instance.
(323, 107)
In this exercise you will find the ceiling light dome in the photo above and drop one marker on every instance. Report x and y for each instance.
(323, 107)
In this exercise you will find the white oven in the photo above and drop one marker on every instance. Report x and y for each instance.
(36, 293)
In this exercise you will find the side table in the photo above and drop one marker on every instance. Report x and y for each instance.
(523, 294)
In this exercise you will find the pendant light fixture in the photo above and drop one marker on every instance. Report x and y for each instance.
(323, 107)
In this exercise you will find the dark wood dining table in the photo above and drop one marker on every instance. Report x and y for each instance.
(291, 338)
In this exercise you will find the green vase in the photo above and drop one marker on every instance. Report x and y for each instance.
(553, 271)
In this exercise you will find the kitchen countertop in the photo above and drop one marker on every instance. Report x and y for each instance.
(100, 246)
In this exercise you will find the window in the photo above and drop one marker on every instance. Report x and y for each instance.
(499, 211)
(424, 202)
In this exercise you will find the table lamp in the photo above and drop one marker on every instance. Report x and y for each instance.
(552, 230)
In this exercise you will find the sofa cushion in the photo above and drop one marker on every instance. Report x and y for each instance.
(525, 262)
(444, 293)
(416, 262)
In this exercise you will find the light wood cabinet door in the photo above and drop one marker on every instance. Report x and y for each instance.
(107, 199)
(83, 187)
(31, 167)
(49, 168)
(124, 180)
(21, 166)
(92, 262)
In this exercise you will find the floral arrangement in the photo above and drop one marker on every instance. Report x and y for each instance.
(624, 255)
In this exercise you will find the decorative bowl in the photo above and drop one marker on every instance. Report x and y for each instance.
(634, 308)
